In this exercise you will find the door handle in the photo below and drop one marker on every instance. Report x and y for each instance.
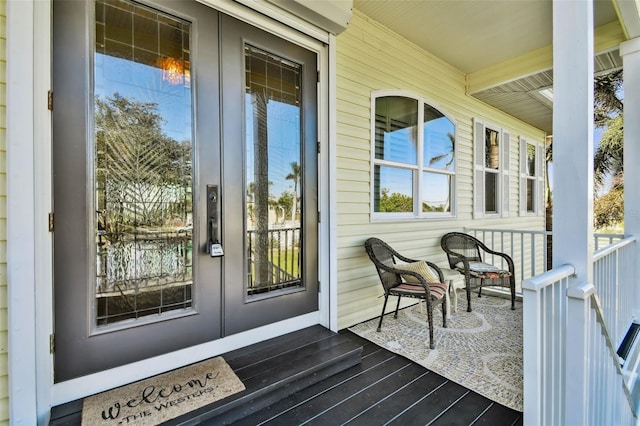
(214, 247)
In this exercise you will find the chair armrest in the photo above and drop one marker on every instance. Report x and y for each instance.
(458, 258)
(505, 256)
(436, 268)
(400, 271)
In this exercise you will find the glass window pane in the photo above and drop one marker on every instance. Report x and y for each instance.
(439, 140)
(143, 165)
(436, 192)
(491, 192)
(531, 195)
(491, 149)
(393, 190)
(273, 130)
(531, 160)
(396, 129)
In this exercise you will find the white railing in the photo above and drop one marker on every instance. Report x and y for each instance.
(544, 346)
(604, 240)
(608, 397)
(528, 249)
(613, 278)
(572, 373)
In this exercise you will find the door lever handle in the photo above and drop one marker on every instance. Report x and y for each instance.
(214, 248)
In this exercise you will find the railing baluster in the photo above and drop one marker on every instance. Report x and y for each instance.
(521, 256)
(530, 249)
(600, 312)
(285, 271)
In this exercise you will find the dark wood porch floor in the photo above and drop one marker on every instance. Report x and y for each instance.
(385, 389)
(317, 377)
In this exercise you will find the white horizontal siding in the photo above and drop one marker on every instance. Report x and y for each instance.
(370, 57)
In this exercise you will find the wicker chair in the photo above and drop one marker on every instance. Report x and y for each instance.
(394, 281)
(464, 253)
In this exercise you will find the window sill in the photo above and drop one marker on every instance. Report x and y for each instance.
(377, 218)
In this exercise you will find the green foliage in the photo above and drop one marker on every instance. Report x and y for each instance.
(608, 104)
(609, 209)
(295, 177)
(428, 208)
(608, 159)
(286, 200)
(395, 203)
(143, 177)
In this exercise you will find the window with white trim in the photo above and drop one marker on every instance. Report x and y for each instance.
(413, 158)
(491, 170)
(531, 178)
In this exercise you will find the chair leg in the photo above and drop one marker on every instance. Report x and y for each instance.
(513, 292)
(397, 307)
(468, 297)
(384, 306)
(430, 321)
(444, 312)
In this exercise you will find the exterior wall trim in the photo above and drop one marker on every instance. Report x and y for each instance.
(28, 203)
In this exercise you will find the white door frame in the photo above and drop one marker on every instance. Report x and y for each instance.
(29, 186)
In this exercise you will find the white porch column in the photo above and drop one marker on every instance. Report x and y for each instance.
(573, 136)
(573, 180)
(630, 52)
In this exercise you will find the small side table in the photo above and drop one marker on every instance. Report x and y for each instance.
(455, 280)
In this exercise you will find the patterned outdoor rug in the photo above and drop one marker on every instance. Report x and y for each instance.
(164, 397)
(480, 350)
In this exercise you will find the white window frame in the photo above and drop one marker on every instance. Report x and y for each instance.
(480, 170)
(417, 169)
(537, 178)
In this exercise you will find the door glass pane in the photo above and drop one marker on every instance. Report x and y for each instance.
(143, 163)
(273, 130)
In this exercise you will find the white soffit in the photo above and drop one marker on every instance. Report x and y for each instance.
(330, 15)
(531, 98)
(629, 13)
(474, 34)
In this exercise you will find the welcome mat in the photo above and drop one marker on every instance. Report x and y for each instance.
(480, 350)
(164, 397)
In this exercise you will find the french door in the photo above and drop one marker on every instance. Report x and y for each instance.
(185, 180)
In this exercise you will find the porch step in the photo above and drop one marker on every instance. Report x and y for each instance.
(270, 370)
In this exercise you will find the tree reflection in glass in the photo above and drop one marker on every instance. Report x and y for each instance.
(273, 130)
(143, 163)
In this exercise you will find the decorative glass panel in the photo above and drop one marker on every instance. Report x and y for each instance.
(439, 140)
(491, 149)
(436, 192)
(396, 129)
(490, 192)
(143, 163)
(273, 132)
(393, 189)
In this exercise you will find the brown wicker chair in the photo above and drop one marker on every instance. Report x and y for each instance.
(464, 252)
(391, 276)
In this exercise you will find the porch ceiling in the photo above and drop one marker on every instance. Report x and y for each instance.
(503, 46)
